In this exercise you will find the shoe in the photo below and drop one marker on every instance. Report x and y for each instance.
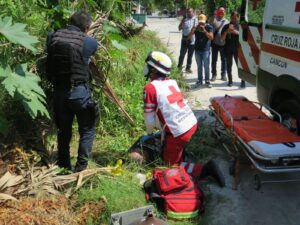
(224, 78)
(243, 84)
(229, 84)
(65, 165)
(211, 169)
(208, 84)
(198, 83)
(79, 168)
(188, 71)
(213, 78)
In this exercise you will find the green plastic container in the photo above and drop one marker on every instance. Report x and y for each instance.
(140, 18)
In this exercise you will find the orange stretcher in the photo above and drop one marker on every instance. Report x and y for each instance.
(269, 145)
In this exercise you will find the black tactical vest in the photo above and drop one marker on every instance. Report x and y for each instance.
(65, 58)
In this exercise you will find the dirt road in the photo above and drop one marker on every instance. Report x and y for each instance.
(275, 203)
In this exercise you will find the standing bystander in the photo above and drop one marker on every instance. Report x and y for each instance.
(187, 42)
(218, 22)
(230, 34)
(203, 34)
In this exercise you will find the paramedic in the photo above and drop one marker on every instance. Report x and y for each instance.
(187, 43)
(69, 51)
(166, 109)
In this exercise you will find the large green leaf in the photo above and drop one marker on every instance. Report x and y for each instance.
(16, 34)
(24, 86)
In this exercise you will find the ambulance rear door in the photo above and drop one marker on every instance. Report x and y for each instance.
(250, 39)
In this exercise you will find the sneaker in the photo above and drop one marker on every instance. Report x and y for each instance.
(198, 83)
(208, 84)
(211, 169)
(229, 84)
(213, 78)
(224, 78)
(188, 71)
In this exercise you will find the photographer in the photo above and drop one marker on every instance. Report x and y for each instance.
(230, 35)
(187, 41)
(203, 35)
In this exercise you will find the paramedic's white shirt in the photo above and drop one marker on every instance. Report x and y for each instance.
(177, 115)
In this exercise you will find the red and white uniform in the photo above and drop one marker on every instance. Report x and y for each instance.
(166, 109)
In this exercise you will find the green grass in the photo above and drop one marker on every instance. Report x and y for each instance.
(121, 193)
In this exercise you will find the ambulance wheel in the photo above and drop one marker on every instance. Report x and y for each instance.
(290, 113)
(257, 182)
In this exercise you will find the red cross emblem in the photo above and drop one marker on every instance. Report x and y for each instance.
(175, 97)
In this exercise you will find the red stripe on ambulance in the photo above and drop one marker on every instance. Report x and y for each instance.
(242, 60)
(280, 51)
(260, 30)
(253, 47)
(297, 8)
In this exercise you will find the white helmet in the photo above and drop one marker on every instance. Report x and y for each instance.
(159, 61)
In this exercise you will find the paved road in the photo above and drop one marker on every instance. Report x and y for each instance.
(274, 204)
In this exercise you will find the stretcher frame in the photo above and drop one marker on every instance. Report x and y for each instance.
(240, 145)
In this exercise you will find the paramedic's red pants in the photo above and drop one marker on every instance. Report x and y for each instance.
(174, 146)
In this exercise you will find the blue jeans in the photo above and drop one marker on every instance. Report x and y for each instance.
(202, 57)
(215, 49)
(68, 104)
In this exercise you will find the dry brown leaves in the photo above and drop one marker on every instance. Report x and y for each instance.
(57, 210)
(26, 179)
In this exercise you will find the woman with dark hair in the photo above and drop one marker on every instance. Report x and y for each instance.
(230, 34)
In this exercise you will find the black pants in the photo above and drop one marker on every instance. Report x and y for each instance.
(68, 104)
(215, 49)
(230, 55)
(186, 47)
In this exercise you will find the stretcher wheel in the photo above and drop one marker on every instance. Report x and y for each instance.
(257, 182)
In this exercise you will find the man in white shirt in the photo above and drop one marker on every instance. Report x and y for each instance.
(187, 44)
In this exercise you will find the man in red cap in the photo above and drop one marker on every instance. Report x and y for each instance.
(218, 22)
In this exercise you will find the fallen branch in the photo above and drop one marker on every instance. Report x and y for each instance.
(100, 79)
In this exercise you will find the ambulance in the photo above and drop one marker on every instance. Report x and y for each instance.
(269, 56)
